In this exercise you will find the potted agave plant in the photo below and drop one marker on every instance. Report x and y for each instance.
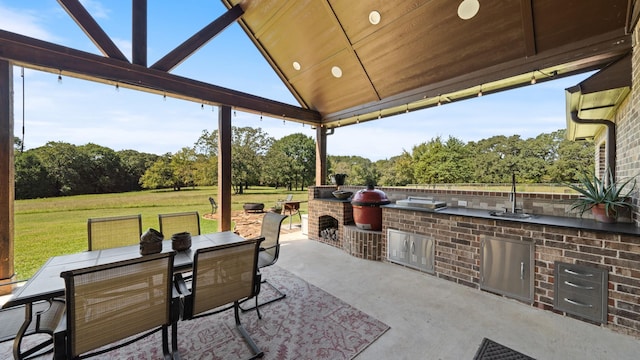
(603, 198)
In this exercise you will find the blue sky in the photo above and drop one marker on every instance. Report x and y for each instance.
(80, 112)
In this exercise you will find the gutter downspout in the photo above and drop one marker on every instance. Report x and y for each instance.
(610, 143)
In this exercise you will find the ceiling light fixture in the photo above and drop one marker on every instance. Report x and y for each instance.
(439, 102)
(374, 17)
(480, 91)
(468, 9)
(406, 111)
(296, 65)
(533, 77)
(336, 71)
(380, 114)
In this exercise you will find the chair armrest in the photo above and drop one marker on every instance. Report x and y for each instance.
(181, 285)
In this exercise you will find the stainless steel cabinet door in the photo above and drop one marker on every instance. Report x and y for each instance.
(421, 252)
(506, 267)
(397, 246)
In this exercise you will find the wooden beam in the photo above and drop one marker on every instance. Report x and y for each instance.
(191, 45)
(321, 156)
(41, 55)
(139, 32)
(224, 168)
(90, 27)
(6, 172)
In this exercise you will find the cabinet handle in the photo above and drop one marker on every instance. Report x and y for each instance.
(521, 270)
(577, 303)
(578, 286)
(573, 272)
(413, 247)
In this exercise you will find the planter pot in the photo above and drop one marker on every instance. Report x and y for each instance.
(599, 213)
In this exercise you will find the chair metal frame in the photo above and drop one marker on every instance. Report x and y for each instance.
(116, 301)
(110, 232)
(43, 316)
(269, 254)
(222, 275)
(174, 223)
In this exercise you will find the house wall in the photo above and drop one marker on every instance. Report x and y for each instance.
(628, 131)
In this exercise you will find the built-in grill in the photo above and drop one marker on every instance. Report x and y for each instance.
(421, 202)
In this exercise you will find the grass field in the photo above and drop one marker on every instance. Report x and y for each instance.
(55, 226)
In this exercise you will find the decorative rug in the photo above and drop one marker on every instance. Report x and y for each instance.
(308, 324)
(491, 350)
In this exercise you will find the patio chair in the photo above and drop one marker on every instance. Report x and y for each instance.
(106, 303)
(44, 319)
(222, 275)
(179, 222)
(269, 253)
(110, 232)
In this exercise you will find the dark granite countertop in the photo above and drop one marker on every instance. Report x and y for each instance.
(576, 223)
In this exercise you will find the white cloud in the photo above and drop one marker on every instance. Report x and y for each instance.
(23, 22)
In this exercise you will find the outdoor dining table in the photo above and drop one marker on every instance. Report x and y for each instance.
(47, 284)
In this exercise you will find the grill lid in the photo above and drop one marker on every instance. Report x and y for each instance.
(370, 197)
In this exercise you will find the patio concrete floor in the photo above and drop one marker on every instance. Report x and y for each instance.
(432, 318)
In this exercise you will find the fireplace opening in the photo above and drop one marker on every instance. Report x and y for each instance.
(328, 228)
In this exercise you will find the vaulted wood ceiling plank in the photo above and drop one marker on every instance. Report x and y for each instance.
(184, 50)
(527, 28)
(90, 27)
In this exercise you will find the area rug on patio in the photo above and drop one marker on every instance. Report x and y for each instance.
(491, 350)
(308, 324)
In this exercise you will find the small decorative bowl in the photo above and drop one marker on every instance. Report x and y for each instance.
(341, 194)
(181, 241)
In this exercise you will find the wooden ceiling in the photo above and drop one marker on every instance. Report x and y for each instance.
(422, 53)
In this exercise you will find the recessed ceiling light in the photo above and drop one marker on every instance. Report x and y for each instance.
(468, 9)
(336, 71)
(374, 17)
(296, 65)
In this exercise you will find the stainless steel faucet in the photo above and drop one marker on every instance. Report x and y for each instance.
(512, 196)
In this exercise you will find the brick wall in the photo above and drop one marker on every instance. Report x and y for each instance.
(628, 131)
(457, 256)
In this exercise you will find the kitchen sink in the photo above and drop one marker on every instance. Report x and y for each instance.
(510, 215)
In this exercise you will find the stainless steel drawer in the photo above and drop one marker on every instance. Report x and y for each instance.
(581, 290)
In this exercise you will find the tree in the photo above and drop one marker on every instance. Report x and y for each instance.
(438, 162)
(67, 166)
(290, 161)
(105, 171)
(159, 175)
(135, 164)
(31, 178)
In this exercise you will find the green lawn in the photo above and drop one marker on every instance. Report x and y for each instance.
(55, 226)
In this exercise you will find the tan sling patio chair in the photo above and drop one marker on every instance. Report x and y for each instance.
(45, 317)
(222, 275)
(116, 301)
(179, 222)
(110, 232)
(269, 252)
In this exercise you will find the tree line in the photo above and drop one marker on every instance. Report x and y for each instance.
(547, 158)
(59, 169)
